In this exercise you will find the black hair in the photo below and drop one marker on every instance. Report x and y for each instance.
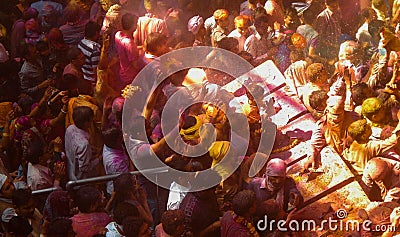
(86, 197)
(153, 41)
(21, 197)
(73, 53)
(171, 220)
(317, 99)
(261, 19)
(113, 137)
(124, 184)
(128, 21)
(243, 201)
(123, 210)
(357, 93)
(132, 225)
(91, 29)
(81, 115)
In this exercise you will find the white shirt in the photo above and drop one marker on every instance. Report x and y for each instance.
(176, 194)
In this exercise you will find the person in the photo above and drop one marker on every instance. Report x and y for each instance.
(196, 27)
(276, 185)
(258, 43)
(127, 51)
(72, 77)
(362, 35)
(136, 227)
(239, 221)
(115, 159)
(171, 224)
(201, 208)
(60, 227)
(275, 10)
(120, 212)
(152, 22)
(384, 173)
(91, 49)
(81, 162)
(90, 220)
(328, 26)
(220, 31)
(19, 226)
(362, 149)
(317, 77)
(242, 30)
(73, 30)
(24, 205)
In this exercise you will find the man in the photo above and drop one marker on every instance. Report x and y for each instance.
(385, 173)
(276, 186)
(328, 26)
(242, 25)
(81, 163)
(127, 51)
(149, 23)
(221, 31)
(258, 44)
(91, 49)
(237, 222)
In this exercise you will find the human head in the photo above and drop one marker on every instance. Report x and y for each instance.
(156, 44)
(123, 210)
(56, 39)
(151, 6)
(190, 128)
(244, 203)
(173, 222)
(195, 24)
(299, 42)
(360, 131)
(32, 149)
(275, 174)
(129, 21)
(82, 116)
(291, 20)
(125, 185)
(261, 23)
(57, 205)
(318, 100)
(75, 56)
(23, 202)
(134, 226)
(368, 14)
(92, 30)
(377, 169)
(242, 24)
(332, 5)
(50, 14)
(221, 18)
(316, 73)
(113, 138)
(71, 13)
(372, 109)
(360, 92)
(88, 199)
(374, 29)
(30, 13)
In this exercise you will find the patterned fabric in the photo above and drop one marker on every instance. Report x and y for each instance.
(91, 50)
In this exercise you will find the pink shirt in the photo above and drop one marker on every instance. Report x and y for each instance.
(89, 224)
(128, 54)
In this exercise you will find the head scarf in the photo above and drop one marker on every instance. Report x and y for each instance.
(275, 167)
(195, 23)
(57, 205)
(192, 132)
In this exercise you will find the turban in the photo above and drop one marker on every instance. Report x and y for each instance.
(194, 24)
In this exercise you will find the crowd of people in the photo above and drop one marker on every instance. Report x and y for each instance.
(66, 68)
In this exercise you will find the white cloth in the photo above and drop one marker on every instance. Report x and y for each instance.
(176, 194)
(39, 177)
(112, 230)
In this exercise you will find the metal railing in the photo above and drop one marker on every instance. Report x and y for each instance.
(100, 179)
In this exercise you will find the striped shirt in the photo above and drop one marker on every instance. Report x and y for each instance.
(91, 50)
